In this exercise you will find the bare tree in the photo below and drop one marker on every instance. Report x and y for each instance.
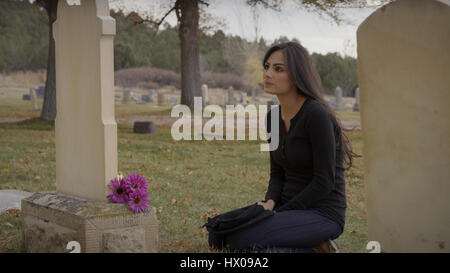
(49, 106)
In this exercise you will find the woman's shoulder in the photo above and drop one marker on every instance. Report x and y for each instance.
(317, 111)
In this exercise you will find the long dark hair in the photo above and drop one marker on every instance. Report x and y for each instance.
(306, 79)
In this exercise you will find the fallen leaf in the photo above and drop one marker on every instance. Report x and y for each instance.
(204, 217)
(8, 224)
(174, 202)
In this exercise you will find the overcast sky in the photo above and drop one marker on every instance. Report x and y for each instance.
(318, 33)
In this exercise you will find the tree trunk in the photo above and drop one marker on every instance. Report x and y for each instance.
(190, 57)
(49, 105)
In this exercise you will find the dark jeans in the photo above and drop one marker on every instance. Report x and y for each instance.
(297, 231)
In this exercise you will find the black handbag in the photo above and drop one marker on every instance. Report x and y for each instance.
(223, 224)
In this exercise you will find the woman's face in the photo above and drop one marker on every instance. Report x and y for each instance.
(275, 75)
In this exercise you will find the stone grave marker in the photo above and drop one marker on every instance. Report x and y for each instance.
(127, 94)
(205, 94)
(33, 99)
(40, 92)
(86, 146)
(144, 127)
(403, 72)
(356, 105)
(230, 96)
(161, 99)
(337, 103)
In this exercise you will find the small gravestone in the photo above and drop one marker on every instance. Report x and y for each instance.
(160, 99)
(40, 91)
(243, 98)
(150, 94)
(356, 105)
(230, 97)
(144, 127)
(173, 100)
(337, 103)
(127, 94)
(205, 94)
(34, 99)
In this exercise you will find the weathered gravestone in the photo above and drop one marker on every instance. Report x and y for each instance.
(337, 103)
(144, 127)
(145, 98)
(230, 96)
(356, 105)
(33, 99)
(40, 91)
(243, 97)
(161, 99)
(173, 100)
(127, 94)
(403, 72)
(148, 97)
(151, 94)
(86, 146)
(205, 94)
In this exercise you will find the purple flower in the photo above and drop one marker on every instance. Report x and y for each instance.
(119, 190)
(136, 183)
(138, 201)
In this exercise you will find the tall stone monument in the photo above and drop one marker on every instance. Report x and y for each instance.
(86, 146)
(403, 72)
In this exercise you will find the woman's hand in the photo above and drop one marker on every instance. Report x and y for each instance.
(268, 205)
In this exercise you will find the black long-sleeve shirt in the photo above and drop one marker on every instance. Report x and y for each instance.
(306, 170)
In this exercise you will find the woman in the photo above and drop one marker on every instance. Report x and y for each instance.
(307, 187)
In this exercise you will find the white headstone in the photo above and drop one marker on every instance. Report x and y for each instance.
(86, 130)
(205, 94)
(34, 99)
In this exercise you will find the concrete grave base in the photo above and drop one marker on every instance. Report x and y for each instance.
(51, 220)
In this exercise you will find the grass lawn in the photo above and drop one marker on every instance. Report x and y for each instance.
(189, 180)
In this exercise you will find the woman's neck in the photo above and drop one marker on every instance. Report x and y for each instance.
(290, 104)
